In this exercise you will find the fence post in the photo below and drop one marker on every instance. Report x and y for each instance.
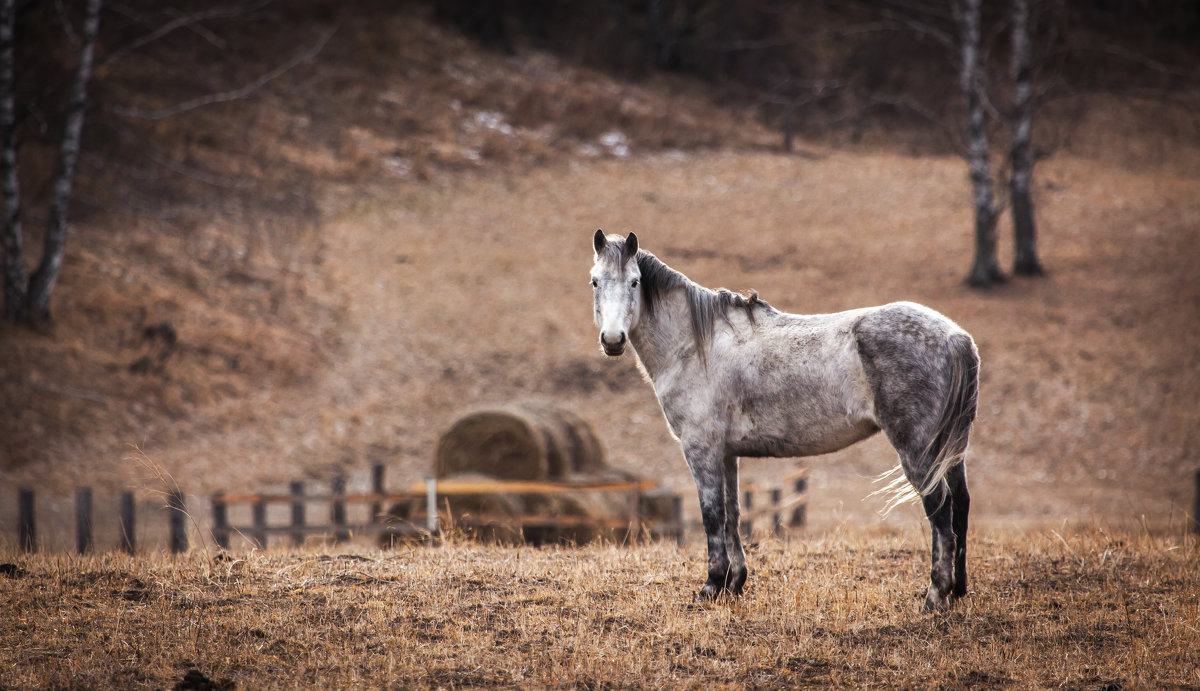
(747, 507)
(177, 517)
(26, 531)
(83, 519)
(635, 514)
(1196, 505)
(377, 488)
(431, 516)
(798, 513)
(128, 513)
(677, 516)
(297, 513)
(260, 523)
(220, 512)
(776, 518)
(337, 509)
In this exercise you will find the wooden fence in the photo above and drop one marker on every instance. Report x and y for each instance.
(779, 505)
(783, 504)
(428, 520)
(127, 529)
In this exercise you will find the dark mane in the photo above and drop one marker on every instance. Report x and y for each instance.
(704, 304)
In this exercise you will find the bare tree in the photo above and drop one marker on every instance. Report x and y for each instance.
(986, 269)
(32, 302)
(15, 285)
(28, 300)
(1025, 257)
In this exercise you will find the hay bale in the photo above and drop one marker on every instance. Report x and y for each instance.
(571, 443)
(520, 441)
(530, 441)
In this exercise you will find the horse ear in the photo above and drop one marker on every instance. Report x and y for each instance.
(631, 246)
(599, 241)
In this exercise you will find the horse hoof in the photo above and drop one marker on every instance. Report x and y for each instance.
(708, 593)
(935, 602)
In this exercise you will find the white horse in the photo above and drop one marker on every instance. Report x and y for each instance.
(736, 377)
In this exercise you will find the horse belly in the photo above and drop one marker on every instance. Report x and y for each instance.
(802, 429)
(795, 445)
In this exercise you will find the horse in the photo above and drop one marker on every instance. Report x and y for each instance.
(736, 377)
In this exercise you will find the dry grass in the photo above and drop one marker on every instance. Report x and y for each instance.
(1079, 609)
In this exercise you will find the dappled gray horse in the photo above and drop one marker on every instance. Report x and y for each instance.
(736, 377)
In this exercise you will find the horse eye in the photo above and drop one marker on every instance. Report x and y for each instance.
(634, 283)
(595, 283)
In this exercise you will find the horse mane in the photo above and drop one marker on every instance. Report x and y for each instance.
(704, 304)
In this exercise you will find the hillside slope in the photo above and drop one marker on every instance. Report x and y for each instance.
(398, 229)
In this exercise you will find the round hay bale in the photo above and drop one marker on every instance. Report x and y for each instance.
(571, 443)
(520, 441)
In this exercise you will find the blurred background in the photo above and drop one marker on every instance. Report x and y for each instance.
(304, 236)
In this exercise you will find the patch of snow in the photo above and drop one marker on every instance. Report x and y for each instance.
(616, 143)
(491, 120)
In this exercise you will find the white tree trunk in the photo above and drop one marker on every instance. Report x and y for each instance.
(986, 269)
(14, 260)
(41, 284)
(1025, 257)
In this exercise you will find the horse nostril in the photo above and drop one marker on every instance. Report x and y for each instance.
(605, 340)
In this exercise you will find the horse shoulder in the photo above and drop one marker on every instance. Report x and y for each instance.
(685, 392)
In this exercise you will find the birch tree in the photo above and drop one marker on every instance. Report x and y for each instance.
(1025, 256)
(15, 282)
(31, 302)
(985, 271)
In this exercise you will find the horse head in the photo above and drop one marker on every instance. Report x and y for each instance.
(615, 281)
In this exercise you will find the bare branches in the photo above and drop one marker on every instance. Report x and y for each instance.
(234, 94)
(185, 21)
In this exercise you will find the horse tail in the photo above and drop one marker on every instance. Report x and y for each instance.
(949, 443)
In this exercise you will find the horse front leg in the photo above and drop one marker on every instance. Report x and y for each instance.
(708, 471)
(733, 535)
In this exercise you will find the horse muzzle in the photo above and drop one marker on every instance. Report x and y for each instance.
(613, 348)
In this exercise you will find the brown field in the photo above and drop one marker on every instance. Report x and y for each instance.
(1077, 609)
(401, 231)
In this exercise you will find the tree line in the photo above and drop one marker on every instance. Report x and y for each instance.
(975, 73)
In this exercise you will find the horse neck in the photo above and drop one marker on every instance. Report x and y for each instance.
(663, 336)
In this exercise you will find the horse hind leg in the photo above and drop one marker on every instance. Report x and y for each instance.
(939, 509)
(947, 506)
(956, 480)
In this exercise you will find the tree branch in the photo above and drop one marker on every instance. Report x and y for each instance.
(186, 21)
(232, 95)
